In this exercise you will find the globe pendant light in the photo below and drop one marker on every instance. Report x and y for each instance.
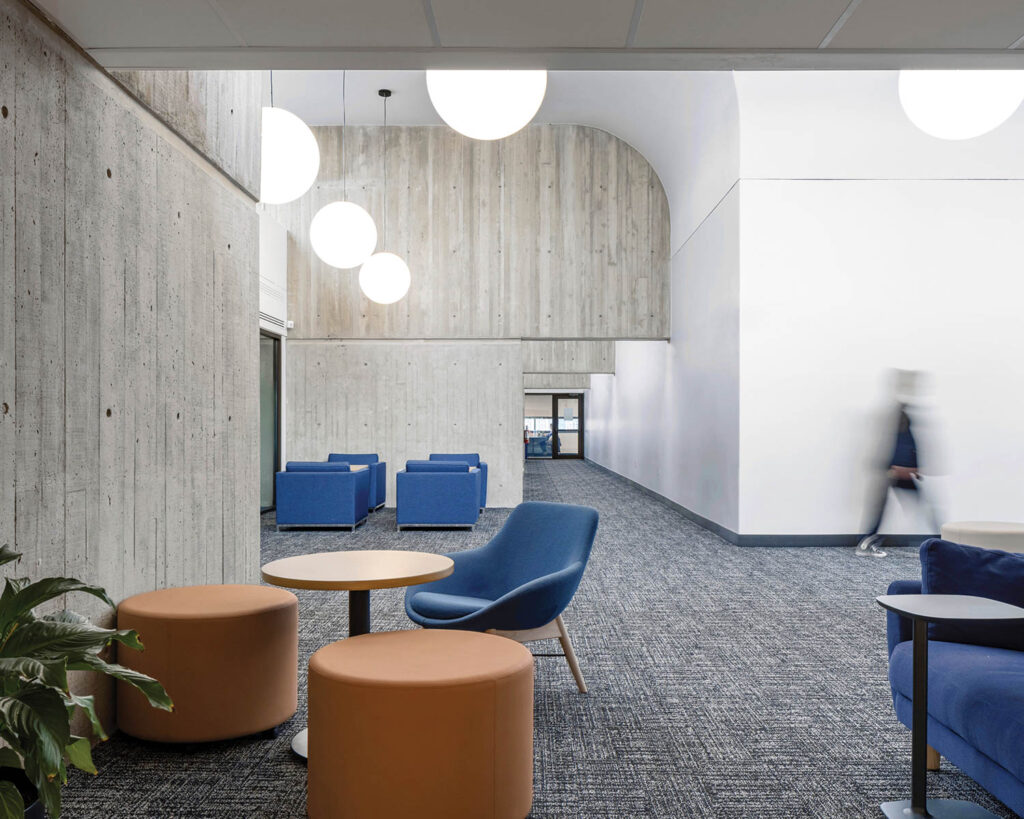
(342, 233)
(487, 104)
(289, 155)
(384, 277)
(960, 104)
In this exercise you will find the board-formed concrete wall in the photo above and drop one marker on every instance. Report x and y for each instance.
(217, 112)
(128, 344)
(559, 231)
(406, 399)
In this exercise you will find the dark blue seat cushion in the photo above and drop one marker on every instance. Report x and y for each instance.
(471, 458)
(436, 466)
(952, 568)
(355, 458)
(317, 466)
(446, 606)
(975, 691)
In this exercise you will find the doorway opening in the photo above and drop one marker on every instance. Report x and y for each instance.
(270, 418)
(553, 425)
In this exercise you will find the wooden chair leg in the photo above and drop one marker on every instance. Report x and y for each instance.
(933, 759)
(570, 655)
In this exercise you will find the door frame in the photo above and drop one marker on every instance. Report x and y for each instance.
(278, 345)
(555, 444)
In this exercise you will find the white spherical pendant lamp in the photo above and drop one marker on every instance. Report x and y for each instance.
(487, 104)
(289, 158)
(343, 234)
(384, 278)
(960, 104)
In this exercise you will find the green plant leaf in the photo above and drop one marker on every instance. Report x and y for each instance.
(51, 639)
(9, 758)
(150, 688)
(87, 704)
(8, 555)
(48, 788)
(65, 617)
(80, 755)
(49, 672)
(35, 594)
(12, 806)
(38, 718)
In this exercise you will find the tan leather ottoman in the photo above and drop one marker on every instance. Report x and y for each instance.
(434, 724)
(227, 655)
(1009, 537)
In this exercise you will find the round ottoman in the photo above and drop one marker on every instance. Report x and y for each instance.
(1009, 537)
(434, 724)
(227, 655)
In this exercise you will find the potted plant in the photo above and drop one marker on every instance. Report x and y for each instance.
(36, 706)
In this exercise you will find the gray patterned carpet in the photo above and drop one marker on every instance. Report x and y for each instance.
(724, 682)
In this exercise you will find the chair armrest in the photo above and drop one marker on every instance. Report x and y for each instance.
(900, 629)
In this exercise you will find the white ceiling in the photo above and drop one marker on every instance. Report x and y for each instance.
(557, 34)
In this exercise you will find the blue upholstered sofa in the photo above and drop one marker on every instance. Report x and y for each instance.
(975, 670)
(377, 468)
(316, 493)
(473, 459)
(437, 493)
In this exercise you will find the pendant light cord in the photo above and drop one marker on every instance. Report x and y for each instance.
(344, 136)
(385, 171)
(271, 87)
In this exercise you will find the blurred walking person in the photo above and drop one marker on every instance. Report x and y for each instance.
(902, 476)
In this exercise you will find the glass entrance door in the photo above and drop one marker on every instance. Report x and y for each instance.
(270, 417)
(568, 426)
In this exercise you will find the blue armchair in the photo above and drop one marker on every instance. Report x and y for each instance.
(438, 494)
(517, 585)
(975, 670)
(314, 493)
(377, 468)
(473, 459)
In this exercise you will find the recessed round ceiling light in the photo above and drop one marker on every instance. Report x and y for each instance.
(487, 104)
(289, 157)
(384, 278)
(343, 234)
(960, 104)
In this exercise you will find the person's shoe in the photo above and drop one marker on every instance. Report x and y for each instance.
(868, 547)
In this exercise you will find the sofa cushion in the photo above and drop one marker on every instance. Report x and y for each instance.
(354, 458)
(975, 691)
(471, 458)
(446, 606)
(952, 568)
(317, 466)
(436, 466)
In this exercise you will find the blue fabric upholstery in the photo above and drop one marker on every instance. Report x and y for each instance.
(975, 690)
(429, 494)
(316, 466)
(473, 459)
(524, 577)
(435, 466)
(377, 468)
(952, 568)
(322, 497)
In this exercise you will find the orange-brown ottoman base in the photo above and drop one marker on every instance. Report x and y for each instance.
(227, 655)
(433, 724)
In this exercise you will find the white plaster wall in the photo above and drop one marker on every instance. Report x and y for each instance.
(843, 279)
(669, 418)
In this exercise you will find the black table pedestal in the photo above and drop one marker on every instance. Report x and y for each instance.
(358, 612)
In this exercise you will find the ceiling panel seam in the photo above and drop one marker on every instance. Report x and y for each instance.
(634, 23)
(838, 24)
(215, 6)
(428, 12)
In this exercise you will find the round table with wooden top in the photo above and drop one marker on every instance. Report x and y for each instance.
(357, 573)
